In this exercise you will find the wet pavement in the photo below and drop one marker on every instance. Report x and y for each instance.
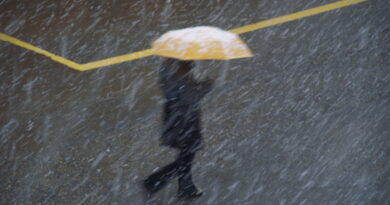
(306, 121)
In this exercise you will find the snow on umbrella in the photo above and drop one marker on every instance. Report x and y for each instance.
(200, 43)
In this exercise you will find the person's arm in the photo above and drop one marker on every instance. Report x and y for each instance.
(204, 87)
(167, 80)
(195, 91)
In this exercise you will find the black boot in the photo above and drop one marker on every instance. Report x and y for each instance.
(159, 179)
(187, 190)
(153, 184)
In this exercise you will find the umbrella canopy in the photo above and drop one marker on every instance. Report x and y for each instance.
(200, 43)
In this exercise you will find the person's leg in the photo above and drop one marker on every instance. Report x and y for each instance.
(181, 168)
(157, 180)
(187, 189)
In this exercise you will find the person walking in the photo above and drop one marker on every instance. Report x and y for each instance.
(181, 127)
(181, 120)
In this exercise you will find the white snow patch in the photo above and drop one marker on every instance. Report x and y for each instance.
(203, 36)
(199, 34)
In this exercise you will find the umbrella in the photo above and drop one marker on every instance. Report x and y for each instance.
(200, 43)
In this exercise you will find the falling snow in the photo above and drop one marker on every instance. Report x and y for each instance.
(305, 121)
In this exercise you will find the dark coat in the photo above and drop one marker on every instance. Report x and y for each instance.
(181, 114)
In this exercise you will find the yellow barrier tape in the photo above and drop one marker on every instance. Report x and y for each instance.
(117, 59)
(295, 16)
(148, 52)
(28, 46)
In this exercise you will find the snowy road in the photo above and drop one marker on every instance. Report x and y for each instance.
(306, 121)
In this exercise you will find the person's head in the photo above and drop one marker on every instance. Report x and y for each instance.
(188, 65)
(180, 66)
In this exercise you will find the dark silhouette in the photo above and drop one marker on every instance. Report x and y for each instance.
(181, 125)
